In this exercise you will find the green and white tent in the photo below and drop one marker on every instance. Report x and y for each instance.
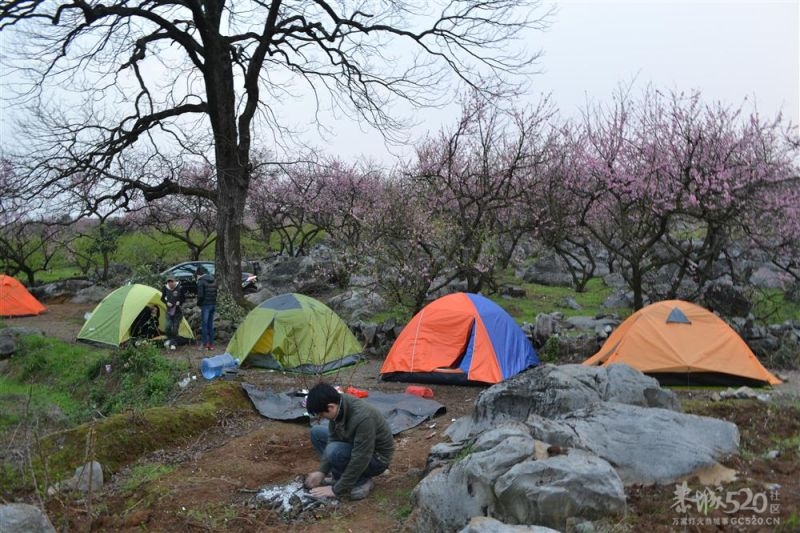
(296, 333)
(111, 321)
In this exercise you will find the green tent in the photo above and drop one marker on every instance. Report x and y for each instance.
(111, 321)
(297, 333)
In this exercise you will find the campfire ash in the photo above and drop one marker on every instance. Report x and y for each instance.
(291, 499)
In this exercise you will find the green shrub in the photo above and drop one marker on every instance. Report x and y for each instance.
(228, 309)
(551, 351)
(140, 377)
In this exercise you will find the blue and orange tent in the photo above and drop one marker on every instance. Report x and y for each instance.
(459, 338)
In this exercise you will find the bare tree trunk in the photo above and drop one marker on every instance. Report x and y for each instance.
(230, 212)
(232, 151)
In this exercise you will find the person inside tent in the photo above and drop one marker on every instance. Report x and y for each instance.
(355, 445)
(145, 326)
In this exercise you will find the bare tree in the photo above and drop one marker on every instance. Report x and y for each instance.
(475, 177)
(30, 238)
(150, 74)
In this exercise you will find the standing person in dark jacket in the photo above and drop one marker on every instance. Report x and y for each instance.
(207, 301)
(355, 445)
(173, 297)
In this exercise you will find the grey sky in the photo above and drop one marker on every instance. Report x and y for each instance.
(728, 50)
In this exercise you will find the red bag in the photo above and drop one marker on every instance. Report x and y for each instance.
(358, 393)
(424, 392)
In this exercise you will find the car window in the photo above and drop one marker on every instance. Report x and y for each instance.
(188, 270)
(183, 271)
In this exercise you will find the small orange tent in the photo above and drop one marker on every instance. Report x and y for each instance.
(680, 343)
(15, 300)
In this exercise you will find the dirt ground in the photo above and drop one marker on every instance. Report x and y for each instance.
(214, 478)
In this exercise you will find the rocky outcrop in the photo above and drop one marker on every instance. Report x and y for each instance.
(556, 445)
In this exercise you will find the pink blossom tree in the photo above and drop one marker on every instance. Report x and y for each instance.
(409, 244)
(556, 210)
(282, 201)
(475, 177)
(669, 181)
(188, 219)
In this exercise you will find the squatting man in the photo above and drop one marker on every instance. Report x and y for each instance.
(354, 446)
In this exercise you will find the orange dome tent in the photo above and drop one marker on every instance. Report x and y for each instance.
(682, 343)
(15, 300)
(460, 338)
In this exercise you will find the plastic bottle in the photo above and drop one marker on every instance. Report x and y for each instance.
(424, 392)
(214, 367)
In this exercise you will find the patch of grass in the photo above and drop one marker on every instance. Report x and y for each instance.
(402, 511)
(121, 439)
(772, 306)
(10, 481)
(140, 377)
(546, 299)
(20, 402)
(463, 453)
(56, 274)
(54, 381)
(790, 524)
(146, 473)
(47, 378)
(212, 518)
(151, 247)
(789, 443)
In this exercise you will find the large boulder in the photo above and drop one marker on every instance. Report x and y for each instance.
(357, 305)
(555, 446)
(61, 291)
(645, 445)
(24, 518)
(727, 300)
(500, 476)
(549, 269)
(549, 390)
(577, 485)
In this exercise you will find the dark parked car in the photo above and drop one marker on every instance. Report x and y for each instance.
(185, 273)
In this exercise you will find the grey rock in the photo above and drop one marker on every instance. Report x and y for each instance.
(356, 304)
(727, 300)
(62, 290)
(620, 298)
(499, 476)
(88, 295)
(548, 270)
(8, 345)
(24, 518)
(485, 524)
(88, 477)
(551, 491)
(549, 390)
(16, 331)
(645, 445)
